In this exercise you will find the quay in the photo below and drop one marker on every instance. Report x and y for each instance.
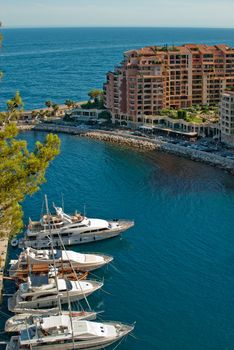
(147, 143)
(159, 145)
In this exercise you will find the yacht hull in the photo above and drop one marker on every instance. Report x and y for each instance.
(75, 238)
(21, 321)
(19, 269)
(94, 344)
(50, 300)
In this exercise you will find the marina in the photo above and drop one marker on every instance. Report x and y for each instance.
(48, 279)
(172, 271)
(169, 249)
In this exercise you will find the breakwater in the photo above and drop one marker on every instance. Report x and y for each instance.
(156, 144)
(125, 138)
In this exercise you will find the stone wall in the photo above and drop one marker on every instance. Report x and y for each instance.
(140, 142)
(143, 143)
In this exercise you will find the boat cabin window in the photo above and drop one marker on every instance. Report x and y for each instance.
(45, 296)
(97, 230)
(77, 226)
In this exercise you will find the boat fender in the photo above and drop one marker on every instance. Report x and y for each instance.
(14, 242)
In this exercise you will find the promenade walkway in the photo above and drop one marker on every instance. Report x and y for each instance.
(3, 256)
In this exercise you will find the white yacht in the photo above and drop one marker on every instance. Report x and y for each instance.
(19, 322)
(39, 261)
(44, 292)
(60, 332)
(62, 228)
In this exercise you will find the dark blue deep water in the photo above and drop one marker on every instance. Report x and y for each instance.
(62, 63)
(173, 273)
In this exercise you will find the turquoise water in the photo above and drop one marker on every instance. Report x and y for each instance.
(173, 272)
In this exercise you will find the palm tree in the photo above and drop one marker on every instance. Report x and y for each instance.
(95, 94)
(49, 104)
(70, 103)
(55, 109)
(34, 114)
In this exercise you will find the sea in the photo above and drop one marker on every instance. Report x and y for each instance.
(173, 273)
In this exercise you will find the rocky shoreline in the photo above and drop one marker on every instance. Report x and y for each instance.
(138, 142)
(130, 140)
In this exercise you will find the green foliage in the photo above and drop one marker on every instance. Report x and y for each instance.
(14, 108)
(21, 173)
(70, 103)
(230, 88)
(105, 115)
(95, 93)
(95, 104)
(194, 119)
(49, 104)
(96, 99)
(180, 114)
(55, 108)
(15, 103)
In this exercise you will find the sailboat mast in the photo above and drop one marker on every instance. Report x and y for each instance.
(62, 202)
(71, 264)
(70, 315)
(52, 246)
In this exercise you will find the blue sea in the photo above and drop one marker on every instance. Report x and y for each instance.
(65, 63)
(173, 273)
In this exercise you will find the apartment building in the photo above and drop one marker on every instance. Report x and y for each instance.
(227, 117)
(153, 78)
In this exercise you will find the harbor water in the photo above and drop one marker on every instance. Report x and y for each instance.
(173, 273)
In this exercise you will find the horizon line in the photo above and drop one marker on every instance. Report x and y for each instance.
(106, 27)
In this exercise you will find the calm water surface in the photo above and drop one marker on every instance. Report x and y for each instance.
(62, 63)
(173, 272)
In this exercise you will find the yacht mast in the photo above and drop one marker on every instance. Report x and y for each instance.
(52, 247)
(70, 314)
(74, 271)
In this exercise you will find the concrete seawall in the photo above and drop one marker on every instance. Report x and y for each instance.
(72, 130)
(143, 143)
(154, 144)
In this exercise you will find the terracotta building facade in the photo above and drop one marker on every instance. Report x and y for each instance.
(153, 78)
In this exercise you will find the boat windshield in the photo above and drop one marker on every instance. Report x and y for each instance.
(40, 280)
(28, 334)
(58, 254)
(69, 285)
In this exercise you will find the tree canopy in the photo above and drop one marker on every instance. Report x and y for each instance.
(21, 173)
(95, 94)
(70, 103)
